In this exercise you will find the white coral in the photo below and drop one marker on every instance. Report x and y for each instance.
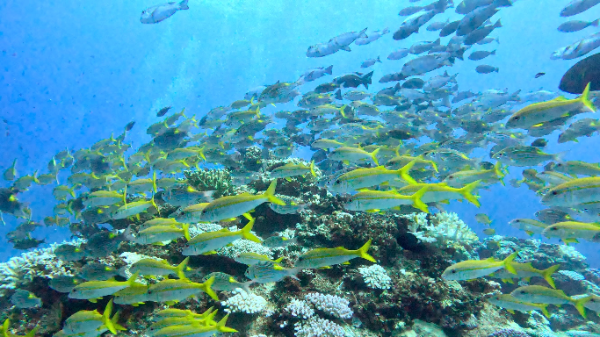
(318, 327)
(244, 246)
(444, 228)
(331, 304)
(299, 308)
(375, 277)
(245, 302)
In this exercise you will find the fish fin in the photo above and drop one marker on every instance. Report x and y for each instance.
(403, 172)
(221, 325)
(346, 263)
(106, 317)
(279, 259)
(547, 274)
(510, 281)
(511, 311)
(131, 280)
(325, 267)
(373, 210)
(312, 167)
(93, 300)
(31, 333)
(530, 233)
(246, 234)
(362, 252)
(466, 192)
(374, 156)
(186, 231)
(579, 306)
(567, 241)
(270, 194)
(585, 98)
(206, 287)
(417, 202)
(179, 270)
(507, 263)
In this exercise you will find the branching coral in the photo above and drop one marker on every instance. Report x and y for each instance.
(218, 180)
(375, 277)
(245, 302)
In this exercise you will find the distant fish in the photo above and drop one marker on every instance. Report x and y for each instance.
(480, 55)
(370, 62)
(373, 36)
(449, 28)
(576, 25)
(486, 69)
(23, 299)
(437, 26)
(163, 111)
(578, 6)
(583, 72)
(538, 75)
(129, 126)
(316, 73)
(159, 13)
(399, 54)
(577, 49)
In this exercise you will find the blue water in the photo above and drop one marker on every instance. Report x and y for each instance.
(73, 73)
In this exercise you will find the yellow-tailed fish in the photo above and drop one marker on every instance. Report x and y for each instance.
(251, 259)
(573, 192)
(178, 290)
(367, 177)
(133, 209)
(465, 177)
(156, 234)
(374, 201)
(324, 257)
(508, 302)
(293, 170)
(530, 226)
(544, 295)
(210, 241)
(103, 198)
(349, 155)
(442, 192)
(234, 206)
(194, 329)
(570, 231)
(97, 289)
(152, 267)
(134, 295)
(472, 269)
(11, 172)
(527, 271)
(88, 321)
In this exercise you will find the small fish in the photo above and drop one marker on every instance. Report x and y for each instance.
(68, 252)
(269, 272)
(251, 259)
(375, 201)
(508, 302)
(234, 206)
(195, 329)
(529, 226)
(85, 321)
(11, 172)
(317, 73)
(209, 242)
(483, 218)
(157, 234)
(134, 295)
(570, 231)
(367, 177)
(179, 290)
(325, 257)
(544, 295)
(578, 6)
(64, 283)
(538, 75)
(292, 205)
(370, 62)
(153, 267)
(97, 272)
(292, 170)
(489, 231)
(93, 290)
(472, 269)
(573, 192)
(159, 13)
(480, 55)
(486, 69)
(24, 299)
(352, 154)
(277, 241)
(399, 54)
(539, 143)
(527, 271)
(524, 156)
(129, 126)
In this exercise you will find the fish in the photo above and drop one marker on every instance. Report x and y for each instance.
(573, 192)
(85, 321)
(317, 73)
(375, 201)
(370, 62)
(368, 177)
(527, 271)
(234, 206)
(543, 295)
(11, 172)
(480, 55)
(508, 302)
(486, 69)
(93, 290)
(529, 226)
(269, 272)
(538, 75)
(24, 299)
(207, 243)
(577, 49)
(292, 170)
(195, 329)
(161, 233)
(159, 13)
(348, 154)
(371, 37)
(64, 283)
(472, 269)
(163, 111)
(578, 6)
(292, 205)
(483, 218)
(577, 25)
(68, 252)
(251, 259)
(178, 290)
(570, 231)
(354, 80)
(524, 156)
(399, 54)
(154, 267)
(442, 192)
(97, 272)
(325, 257)
(584, 72)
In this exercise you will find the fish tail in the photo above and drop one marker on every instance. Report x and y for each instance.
(417, 202)
(362, 252)
(131, 280)
(585, 98)
(154, 181)
(115, 321)
(544, 309)
(547, 274)
(32, 332)
(403, 172)
(186, 231)
(206, 287)
(154, 204)
(374, 156)
(312, 168)
(329, 70)
(201, 153)
(270, 194)
(508, 263)
(498, 170)
(106, 317)
(579, 305)
(72, 191)
(247, 234)
(595, 22)
(35, 178)
(466, 192)
(221, 325)
(181, 268)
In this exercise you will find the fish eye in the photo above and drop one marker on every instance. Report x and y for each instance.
(553, 229)
(554, 192)
(522, 292)
(453, 271)
(517, 118)
(338, 181)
